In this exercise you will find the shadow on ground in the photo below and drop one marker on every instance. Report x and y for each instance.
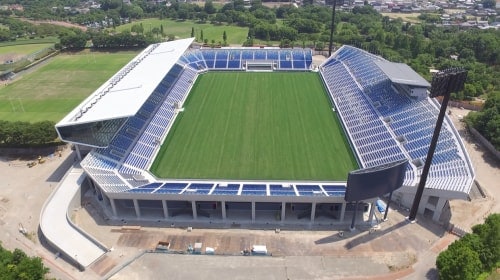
(432, 274)
(367, 238)
(61, 170)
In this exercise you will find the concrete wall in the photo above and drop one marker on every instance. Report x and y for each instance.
(464, 105)
(76, 203)
(484, 142)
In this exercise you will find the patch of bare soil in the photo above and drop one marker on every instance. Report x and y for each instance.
(55, 22)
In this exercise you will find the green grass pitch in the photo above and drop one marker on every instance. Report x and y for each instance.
(23, 49)
(182, 29)
(268, 126)
(56, 87)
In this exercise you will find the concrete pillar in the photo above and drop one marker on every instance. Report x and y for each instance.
(136, 207)
(253, 211)
(99, 194)
(165, 208)
(78, 154)
(439, 208)
(283, 211)
(423, 203)
(223, 206)
(342, 211)
(106, 199)
(313, 211)
(195, 213)
(90, 182)
(113, 207)
(372, 211)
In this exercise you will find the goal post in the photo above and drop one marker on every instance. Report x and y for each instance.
(260, 65)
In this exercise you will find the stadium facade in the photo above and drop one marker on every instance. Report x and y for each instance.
(384, 108)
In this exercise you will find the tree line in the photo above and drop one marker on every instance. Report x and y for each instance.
(423, 45)
(487, 121)
(19, 134)
(18, 29)
(475, 254)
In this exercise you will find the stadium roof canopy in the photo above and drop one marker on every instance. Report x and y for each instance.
(400, 73)
(124, 93)
(97, 119)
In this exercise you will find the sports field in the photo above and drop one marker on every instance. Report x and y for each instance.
(182, 29)
(50, 91)
(22, 50)
(265, 126)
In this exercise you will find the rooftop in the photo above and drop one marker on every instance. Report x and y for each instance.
(125, 92)
(400, 73)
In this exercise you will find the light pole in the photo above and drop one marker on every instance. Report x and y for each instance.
(443, 84)
(332, 25)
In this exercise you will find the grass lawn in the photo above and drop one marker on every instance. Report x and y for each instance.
(23, 41)
(412, 17)
(268, 126)
(54, 89)
(23, 49)
(182, 29)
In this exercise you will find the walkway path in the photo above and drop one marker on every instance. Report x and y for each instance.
(56, 227)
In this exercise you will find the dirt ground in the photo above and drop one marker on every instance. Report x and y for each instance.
(406, 251)
(55, 22)
(464, 213)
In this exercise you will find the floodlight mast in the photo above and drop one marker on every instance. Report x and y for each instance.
(443, 84)
(330, 47)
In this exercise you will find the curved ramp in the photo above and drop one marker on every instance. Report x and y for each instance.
(57, 228)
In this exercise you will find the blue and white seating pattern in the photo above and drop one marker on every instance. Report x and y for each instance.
(194, 60)
(372, 141)
(242, 189)
(375, 114)
(133, 148)
(234, 58)
(103, 172)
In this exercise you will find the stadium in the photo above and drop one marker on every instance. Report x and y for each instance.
(259, 135)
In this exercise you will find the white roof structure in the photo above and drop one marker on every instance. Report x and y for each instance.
(400, 73)
(124, 93)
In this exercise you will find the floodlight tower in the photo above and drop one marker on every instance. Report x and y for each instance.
(443, 84)
(332, 25)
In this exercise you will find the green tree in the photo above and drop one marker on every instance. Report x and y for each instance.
(192, 32)
(458, 262)
(224, 36)
(17, 265)
(202, 16)
(209, 8)
(74, 41)
(239, 5)
(489, 234)
(155, 31)
(110, 4)
(487, 122)
(473, 254)
(137, 28)
(320, 46)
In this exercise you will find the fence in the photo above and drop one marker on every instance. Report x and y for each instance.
(26, 60)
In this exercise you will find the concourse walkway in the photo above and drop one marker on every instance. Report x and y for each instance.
(58, 229)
